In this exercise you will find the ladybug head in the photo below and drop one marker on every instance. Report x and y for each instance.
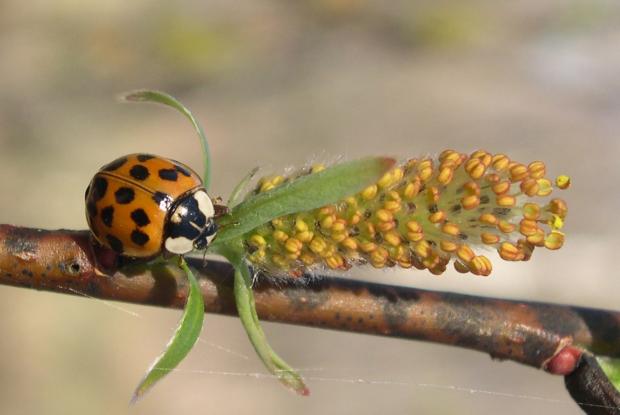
(190, 223)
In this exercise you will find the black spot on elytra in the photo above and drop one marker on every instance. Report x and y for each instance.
(115, 244)
(144, 157)
(124, 195)
(181, 169)
(168, 174)
(91, 207)
(115, 164)
(163, 200)
(100, 186)
(107, 215)
(139, 237)
(139, 172)
(140, 217)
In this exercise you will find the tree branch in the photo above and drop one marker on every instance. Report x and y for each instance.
(535, 334)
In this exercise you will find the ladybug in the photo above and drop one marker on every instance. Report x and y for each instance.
(142, 205)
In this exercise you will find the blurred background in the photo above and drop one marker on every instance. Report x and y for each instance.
(280, 84)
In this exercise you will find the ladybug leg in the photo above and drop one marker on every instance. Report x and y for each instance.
(220, 210)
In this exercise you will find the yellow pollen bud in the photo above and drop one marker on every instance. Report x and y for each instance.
(529, 187)
(472, 188)
(538, 238)
(488, 219)
(445, 176)
(510, 252)
(318, 245)
(531, 211)
(307, 258)
(327, 222)
(537, 169)
(448, 246)
(300, 225)
(475, 168)
(501, 188)
(339, 225)
(448, 155)
(415, 236)
(558, 207)
(500, 162)
(339, 236)
(392, 238)
(384, 215)
(411, 190)
(335, 261)
(293, 245)
(554, 240)
(437, 217)
(414, 226)
(370, 192)
(425, 170)
(423, 249)
(470, 202)
(528, 227)
(305, 236)
(489, 238)
(544, 187)
(460, 267)
(562, 182)
(465, 253)
(379, 257)
(392, 205)
(450, 229)
(506, 226)
(518, 172)
(386, 226)
(257, 240)
(279, 235)
(355, 218)
(349, 243)
(478, 266)
(556, 222)
(506, 201)
(367, 246)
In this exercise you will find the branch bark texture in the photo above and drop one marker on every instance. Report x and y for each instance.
(525, 332)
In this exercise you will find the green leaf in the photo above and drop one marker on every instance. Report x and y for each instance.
(305, 193)
(170, 101)
(244, 298)
(611, 367)
(184, 338)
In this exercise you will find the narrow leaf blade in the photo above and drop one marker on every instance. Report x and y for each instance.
(305, 193)
(170, 101)
(244, 298)
(185, 336)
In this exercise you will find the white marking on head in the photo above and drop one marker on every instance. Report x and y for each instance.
(205, 205)
(180, 245)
